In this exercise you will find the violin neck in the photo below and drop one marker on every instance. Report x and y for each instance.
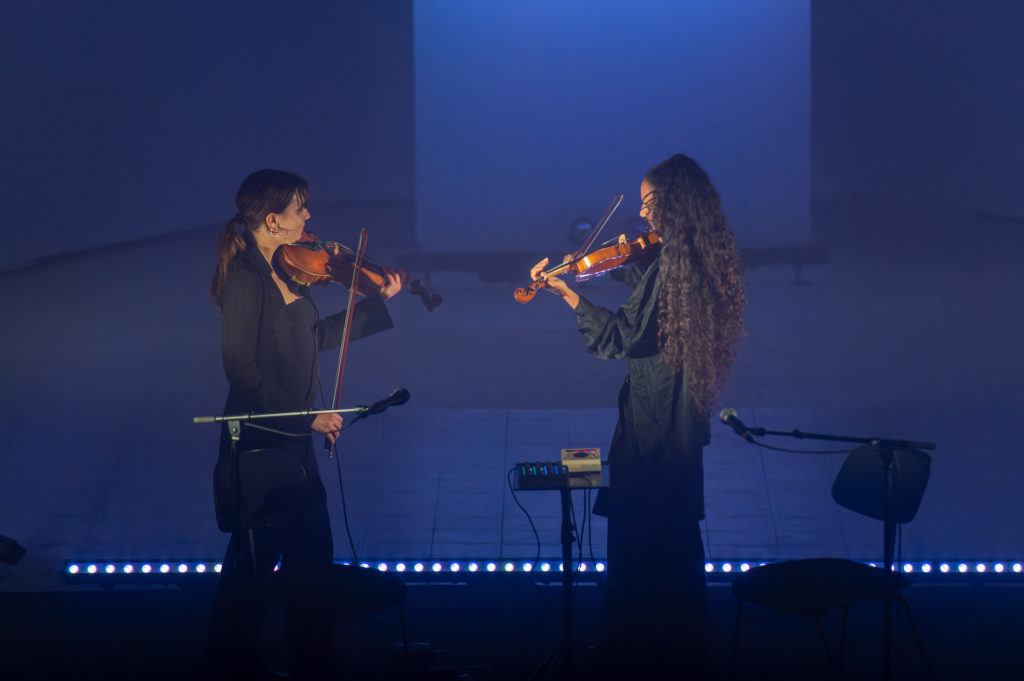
(367, 263)
(558, 269)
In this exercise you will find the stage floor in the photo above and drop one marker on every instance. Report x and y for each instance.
(496, 628)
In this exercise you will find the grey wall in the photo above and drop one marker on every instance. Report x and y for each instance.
(129, 119)
(919, 101)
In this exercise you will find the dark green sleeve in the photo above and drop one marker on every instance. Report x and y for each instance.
(631, 331)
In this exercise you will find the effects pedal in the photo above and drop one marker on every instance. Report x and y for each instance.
(541, 475)
(582, 460)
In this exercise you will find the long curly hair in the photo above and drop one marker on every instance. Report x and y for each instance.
(701, 299)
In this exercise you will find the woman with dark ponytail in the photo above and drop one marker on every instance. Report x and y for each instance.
(678, 333)
(271, 336)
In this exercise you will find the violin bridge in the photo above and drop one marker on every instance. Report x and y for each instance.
(622, 240)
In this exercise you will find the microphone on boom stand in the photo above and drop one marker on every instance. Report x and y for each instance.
(398, 396)
(729, 418)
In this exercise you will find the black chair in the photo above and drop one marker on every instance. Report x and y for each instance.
(883, 484)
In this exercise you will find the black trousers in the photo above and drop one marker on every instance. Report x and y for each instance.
(249, 585)
(656, 602)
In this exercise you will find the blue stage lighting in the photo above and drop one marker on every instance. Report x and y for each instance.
(131, 572)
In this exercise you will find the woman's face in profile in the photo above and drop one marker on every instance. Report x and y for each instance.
(292, 221)
(647, 203)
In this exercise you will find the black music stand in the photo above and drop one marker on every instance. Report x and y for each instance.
(563, 651)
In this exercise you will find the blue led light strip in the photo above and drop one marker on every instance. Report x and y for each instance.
(164, 570)
(926, 568)
(99, 569)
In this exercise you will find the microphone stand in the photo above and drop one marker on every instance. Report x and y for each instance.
(235, 431)
(886, 450)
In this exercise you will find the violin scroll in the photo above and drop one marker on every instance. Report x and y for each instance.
(430, 300)
(526, 294)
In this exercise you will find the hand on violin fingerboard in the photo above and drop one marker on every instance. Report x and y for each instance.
(394, 282)
(554, 283)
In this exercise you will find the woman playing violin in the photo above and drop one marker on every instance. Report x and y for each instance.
(271, 336)
(677, 333)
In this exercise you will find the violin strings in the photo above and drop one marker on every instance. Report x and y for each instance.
(351, 253)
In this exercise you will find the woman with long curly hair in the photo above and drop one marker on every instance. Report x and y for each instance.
(678, 333)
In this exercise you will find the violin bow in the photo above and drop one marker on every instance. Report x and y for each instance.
(347, 328)
(588, 242)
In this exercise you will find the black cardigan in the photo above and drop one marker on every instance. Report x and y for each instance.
(270, 351)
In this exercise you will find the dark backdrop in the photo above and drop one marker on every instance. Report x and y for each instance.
(124, 119)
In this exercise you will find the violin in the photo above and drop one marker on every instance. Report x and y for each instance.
(312, 261)
(599, 262)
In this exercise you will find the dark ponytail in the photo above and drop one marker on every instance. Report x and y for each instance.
(261, 193)
(229, 244)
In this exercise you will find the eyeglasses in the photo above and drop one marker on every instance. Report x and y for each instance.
(649, 202)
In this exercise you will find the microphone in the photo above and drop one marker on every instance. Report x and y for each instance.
(729, 418)
(397, 397)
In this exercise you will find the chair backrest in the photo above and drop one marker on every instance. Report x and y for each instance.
(861, 485)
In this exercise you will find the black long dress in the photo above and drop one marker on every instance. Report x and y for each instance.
(270, 351)
(656, 599)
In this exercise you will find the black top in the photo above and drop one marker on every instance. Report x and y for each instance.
(658, 441)
(270, 351)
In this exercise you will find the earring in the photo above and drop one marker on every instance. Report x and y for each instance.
(274, 233)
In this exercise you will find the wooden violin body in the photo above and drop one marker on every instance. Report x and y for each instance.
(312, 261)
(599, 262)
